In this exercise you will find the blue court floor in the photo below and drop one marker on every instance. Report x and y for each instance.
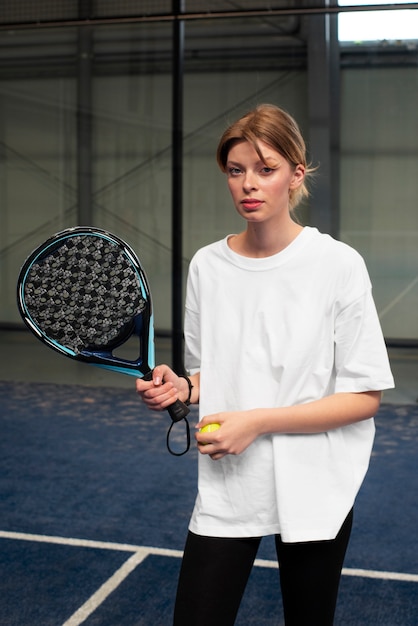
(94, 513)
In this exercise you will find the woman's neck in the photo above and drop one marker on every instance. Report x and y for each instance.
(262, 240)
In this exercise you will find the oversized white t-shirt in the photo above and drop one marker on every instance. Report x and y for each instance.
(280, 331)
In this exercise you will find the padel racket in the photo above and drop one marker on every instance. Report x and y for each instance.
(84, 293)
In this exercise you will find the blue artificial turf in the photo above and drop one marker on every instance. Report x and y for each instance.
(92, 463)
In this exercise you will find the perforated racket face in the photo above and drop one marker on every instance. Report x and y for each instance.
(83, 291)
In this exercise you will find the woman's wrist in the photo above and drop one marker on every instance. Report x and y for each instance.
(189, 390)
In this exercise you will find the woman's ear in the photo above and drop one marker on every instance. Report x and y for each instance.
(298, 176)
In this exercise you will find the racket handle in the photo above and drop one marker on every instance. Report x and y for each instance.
(178, 410)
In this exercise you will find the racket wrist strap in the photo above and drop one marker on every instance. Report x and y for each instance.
(189, 382)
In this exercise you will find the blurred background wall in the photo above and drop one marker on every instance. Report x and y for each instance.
(111, 110)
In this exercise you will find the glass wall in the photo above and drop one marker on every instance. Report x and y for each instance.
(86, 133)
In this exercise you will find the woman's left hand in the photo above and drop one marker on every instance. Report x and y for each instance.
(237, 431)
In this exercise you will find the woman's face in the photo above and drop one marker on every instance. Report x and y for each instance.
(260, 189)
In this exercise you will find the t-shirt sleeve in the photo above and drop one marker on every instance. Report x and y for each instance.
(192, 323)
(361, 359)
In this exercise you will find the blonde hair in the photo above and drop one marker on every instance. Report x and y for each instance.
(278, 129)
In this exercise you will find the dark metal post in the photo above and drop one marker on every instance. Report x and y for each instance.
(84, 119)
(324, 117)
(177, 188)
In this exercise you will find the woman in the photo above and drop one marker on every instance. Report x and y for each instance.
(286, 354)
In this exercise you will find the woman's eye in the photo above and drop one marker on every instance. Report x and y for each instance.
(234, 171)
(267, 170)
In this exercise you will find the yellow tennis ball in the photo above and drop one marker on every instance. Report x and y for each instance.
(209, 428)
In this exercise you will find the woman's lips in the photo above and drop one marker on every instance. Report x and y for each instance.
(251, 203)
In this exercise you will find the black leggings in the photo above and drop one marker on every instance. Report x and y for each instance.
(215, 572)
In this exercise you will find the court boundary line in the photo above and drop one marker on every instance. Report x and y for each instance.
(112, 583)
(150, 550)
(139, 554)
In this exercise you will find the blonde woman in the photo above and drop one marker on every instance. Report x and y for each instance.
(285, 352)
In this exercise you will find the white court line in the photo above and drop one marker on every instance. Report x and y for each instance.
(106, 589)
(139, 554)
(142, 552)
(361, 573)
(88, 543)
(147, 550)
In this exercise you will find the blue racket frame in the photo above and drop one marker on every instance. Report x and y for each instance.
(143, 323)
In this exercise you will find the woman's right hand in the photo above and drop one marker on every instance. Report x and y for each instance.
(164, 388)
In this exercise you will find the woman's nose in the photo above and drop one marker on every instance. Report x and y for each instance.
(249, 182)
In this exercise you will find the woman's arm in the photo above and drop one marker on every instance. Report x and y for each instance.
(339, 409)
(240, 428)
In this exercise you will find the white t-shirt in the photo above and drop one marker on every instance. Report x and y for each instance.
(280, 331)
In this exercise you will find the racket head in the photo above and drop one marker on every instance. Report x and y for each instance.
(83, 292)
